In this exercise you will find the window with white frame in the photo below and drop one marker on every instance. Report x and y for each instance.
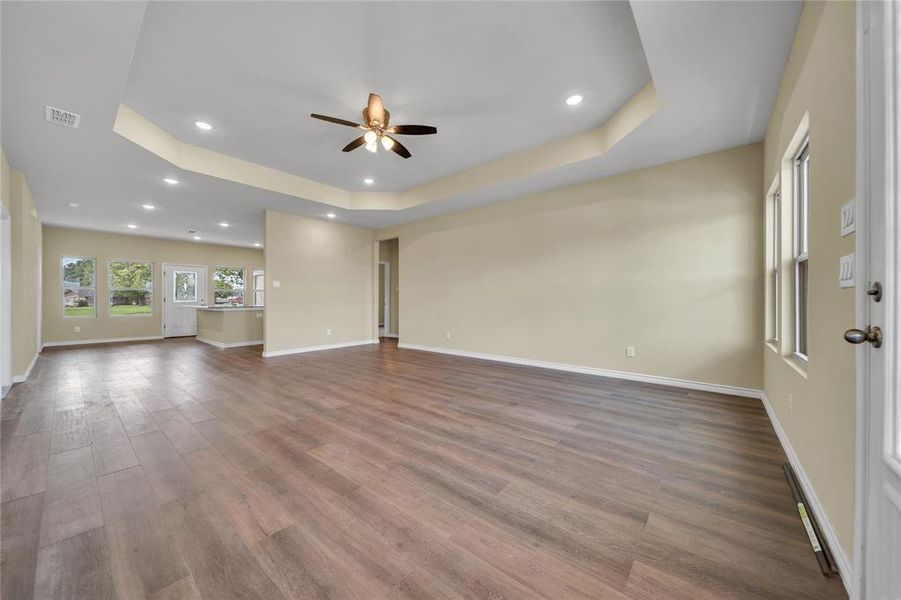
(259, 287)
(79, 286)
(228, 283)
(774, 273)
(130, 288)
(799, 259)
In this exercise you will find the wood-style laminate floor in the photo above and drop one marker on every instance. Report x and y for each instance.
(174, 470)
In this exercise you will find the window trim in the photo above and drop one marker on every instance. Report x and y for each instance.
(774, 268)
(110, 288)
(62, 283)
(800, 248)
(256, 290)
(243, 289)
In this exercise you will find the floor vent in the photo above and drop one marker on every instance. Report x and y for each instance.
(62, 117)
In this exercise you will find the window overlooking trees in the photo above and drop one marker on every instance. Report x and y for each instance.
(79, 287)
(229, 286)
(130, 288)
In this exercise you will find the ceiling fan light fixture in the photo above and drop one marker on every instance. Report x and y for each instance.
(375, 124)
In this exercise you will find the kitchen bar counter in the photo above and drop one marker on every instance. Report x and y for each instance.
(230, 326)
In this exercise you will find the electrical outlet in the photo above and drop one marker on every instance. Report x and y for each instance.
(630, 351)
(447, 335)
(791, 408)
(77, 329)
(328, 332)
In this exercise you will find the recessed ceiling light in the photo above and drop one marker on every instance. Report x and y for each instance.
(197, 237)
(148, 206)
(74, 204)
(202, 125)
(574, 99)
(223, 224)
(331, 215)
(170, 181)
(257, 244)
(132, 226)
(369, 181)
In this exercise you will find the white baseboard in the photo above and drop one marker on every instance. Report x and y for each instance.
(24, 377)
(142, 338)
(681, 383)
(229, 344)
(272, 353)
(841, 559)
(390, 335)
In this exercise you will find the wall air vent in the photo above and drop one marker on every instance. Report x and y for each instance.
(62, 117)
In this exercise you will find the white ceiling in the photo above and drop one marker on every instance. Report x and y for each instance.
(490, 76)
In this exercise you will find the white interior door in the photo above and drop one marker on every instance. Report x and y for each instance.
(185, 290)
(879, 258)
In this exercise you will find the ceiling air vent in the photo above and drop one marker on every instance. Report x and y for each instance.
(62, 117)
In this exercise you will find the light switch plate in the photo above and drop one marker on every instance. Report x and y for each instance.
(846, 271)
(276, 283)
(847, 218)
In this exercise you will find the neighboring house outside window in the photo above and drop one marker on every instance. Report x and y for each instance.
(79, 286)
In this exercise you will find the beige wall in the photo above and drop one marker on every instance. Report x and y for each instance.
(819, 81)
(326, 271)
(59, 242)
(388, 252)
(667, 259)
(25, 229)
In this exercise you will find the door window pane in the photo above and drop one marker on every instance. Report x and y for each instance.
(185, 286)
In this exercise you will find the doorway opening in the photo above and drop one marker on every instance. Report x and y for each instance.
(387, 282)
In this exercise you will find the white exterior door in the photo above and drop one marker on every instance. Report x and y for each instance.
(879, 261)
(185, 290)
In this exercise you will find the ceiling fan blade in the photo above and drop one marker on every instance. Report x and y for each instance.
(413, 129)
(354, 144)
(399, 148)
(376, 109)
(336, 120)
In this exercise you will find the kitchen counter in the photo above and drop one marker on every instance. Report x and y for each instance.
(230, 326)
(225, 308)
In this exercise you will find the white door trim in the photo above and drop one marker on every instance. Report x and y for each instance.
(878, 113)
(386, 283)
(6, 367)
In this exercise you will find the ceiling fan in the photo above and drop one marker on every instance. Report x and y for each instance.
(375, 122)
